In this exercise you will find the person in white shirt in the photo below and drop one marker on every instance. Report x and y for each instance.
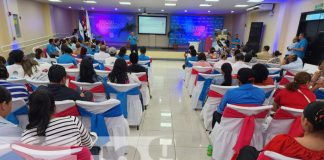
(223, 59)
(102, 55)
(111, 60)
(292, 62)
(239, 63)
(34, 71)
(9, 132)
(15, 60)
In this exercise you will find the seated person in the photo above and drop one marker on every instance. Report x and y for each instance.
(111, 60)
(122, 54)
(202, 60)
(16, 90)
(51, 49)
(142, 56)
(57, 77)
(264, 55)
(102, 55)
(192, 57)
(3, 61)
(275, 58)
(10, 133)
(44, 129)
(39, 58)
(77, 50)
(227, 79)
(261, 75)
(34, 71)
(296, 94)
(67, 57)
(318, 78)
(134, 67)
(245, 94)
(119, 74)
(239, 63)
(308, 147)
(15, 60)
(87, 72)
(223, 59)
(292, 62)
(212, 54)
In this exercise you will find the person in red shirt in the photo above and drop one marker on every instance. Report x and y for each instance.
(308, 147)
(202, 61)
(295, 94)
(261, 75)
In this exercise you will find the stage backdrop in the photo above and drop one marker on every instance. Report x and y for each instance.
(193, 28)
(111, 27)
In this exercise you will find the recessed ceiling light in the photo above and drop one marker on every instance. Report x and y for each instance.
(212, 0)
(185, 11)
(241, 5)
(70, 7)
(125, 3)
(208, 11)
(232, 11)
(116, 9)
(256, 1)
(205, 5)
(90, 2)
(162, 10)
(55, 0)
(92, 8)
(170, 4)
(139, 9)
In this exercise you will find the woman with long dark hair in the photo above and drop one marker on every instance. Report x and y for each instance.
(87, 72)
(119, 73)
(261, 75)
(227, 72)
(44, 129)
(122, 54)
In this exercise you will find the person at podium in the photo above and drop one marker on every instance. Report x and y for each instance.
(132, 39)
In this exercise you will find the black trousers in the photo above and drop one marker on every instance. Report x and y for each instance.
(134, 48)
(216, 118)
(248, 153)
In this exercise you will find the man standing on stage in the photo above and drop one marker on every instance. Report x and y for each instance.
(132, 39)
(235, 41)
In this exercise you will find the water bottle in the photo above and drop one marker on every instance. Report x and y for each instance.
(210, 150)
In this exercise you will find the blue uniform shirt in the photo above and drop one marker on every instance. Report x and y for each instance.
(143, 57)
(190, 59)
(235, 40)
(302, 44)
(50, 49)
(132, 39)
(66, 58)
(125, 57)
(245, 94)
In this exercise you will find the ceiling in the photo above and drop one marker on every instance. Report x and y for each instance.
(156, 6)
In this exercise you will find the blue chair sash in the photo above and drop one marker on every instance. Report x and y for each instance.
(267, 95)
(12, 117)
(34, 88)
(204, 91)
(121, 96)
(10, 156)
(319, 94)
(216, 72)
(274, 73)
(98, 123)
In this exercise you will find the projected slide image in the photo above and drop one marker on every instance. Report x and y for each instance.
(152, 25)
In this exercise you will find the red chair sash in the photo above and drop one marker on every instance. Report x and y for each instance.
(107, 69)
(284, 81)
(151, 60)
(289, 74)
(195, 72)
(214, 94)
(296, 129)
(143, 78)
(98, 89)
(71, 85)
(247, 130)
(72, 111)
(73, 67)
(44, 52)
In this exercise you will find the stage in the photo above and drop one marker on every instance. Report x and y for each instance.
(165, 55)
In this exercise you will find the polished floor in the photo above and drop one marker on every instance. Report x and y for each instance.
(170, 129)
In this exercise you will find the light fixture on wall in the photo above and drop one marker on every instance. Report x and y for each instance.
(170, 4)
(55, 0)
(88, 1)
(125, 3)
(209, 11)
(162, 10)
(232, 11)
(205, 5)
(70, 7)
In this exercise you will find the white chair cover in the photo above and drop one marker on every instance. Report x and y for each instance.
(118, 127)
(215, 96)
(274, 70)
(225, 135)
(144, 88)
(38, 83)
(195, 102)
(276, 156)
(193, 76)
(144, 62)
(262, 61)
(17, 81)
(187, 76)
(272, 65)
(281, 126)
(66, 65)
(102, 73)
(97, 96)
(110, 67)
(17, 103)
(134, 105)
(63, 105)
(269, 91)
(294, 72)
(310, 68)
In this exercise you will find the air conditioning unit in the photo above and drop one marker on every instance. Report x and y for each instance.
(261, 7)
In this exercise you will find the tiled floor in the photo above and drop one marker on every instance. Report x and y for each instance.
(170, 128)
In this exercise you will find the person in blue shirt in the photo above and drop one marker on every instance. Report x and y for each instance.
(245, 94)
(132, 39)
(193, 57)
(235, 41)
(51, 49)
(67, 57)
(301, 46)
(142, 56)
(122, 54)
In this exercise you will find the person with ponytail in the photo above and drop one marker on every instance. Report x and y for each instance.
(226, 79)
(308, 147)
(46, 129)
(295, 94)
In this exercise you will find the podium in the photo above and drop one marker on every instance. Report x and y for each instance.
(195, 44)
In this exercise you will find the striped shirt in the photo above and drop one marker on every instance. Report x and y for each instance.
(63, 131)
(16, 90)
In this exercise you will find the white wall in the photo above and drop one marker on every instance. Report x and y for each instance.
(63, 20)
